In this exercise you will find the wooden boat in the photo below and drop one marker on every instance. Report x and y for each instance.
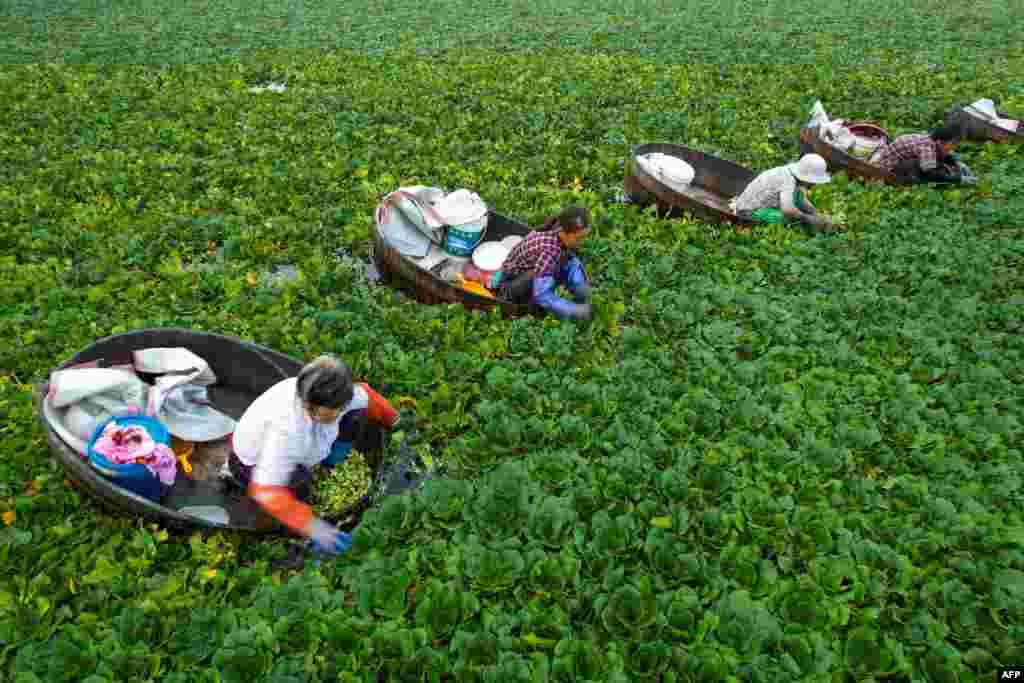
(244, 371)
(715, 182)
(425, 287)
(811, 143)
(979, 130)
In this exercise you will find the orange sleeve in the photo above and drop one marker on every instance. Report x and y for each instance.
(379, 410)
(280, 502)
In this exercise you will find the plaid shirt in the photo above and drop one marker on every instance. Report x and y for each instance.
(540, 251)
(914, 146)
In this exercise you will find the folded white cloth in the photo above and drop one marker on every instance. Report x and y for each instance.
(986, 109)
(670, 170)
(80, 399)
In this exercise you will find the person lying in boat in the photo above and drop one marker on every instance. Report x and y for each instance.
(537, 265)
(779, 195)
(921, 158)
(301, 422)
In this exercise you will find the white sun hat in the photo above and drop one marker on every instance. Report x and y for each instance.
(811, 169)
(186, 412)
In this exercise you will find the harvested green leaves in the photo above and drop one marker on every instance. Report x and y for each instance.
(338, 489)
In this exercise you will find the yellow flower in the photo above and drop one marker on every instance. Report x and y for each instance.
(8, 518)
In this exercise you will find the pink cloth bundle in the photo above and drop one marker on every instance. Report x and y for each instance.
(131, 445)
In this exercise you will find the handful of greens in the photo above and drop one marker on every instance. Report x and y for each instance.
(336, 490)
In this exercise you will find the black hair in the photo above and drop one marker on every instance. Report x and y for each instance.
(948, 133)
(570, 219)
(325, 382)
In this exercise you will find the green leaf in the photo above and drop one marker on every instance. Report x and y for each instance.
(662, 522)
(104, 573)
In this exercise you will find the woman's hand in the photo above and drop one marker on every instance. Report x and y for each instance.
(584, 312)
(328, 540)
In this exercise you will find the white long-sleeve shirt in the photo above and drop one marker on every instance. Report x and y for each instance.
(276, 433)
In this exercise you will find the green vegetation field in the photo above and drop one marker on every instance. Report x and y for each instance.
(627, 503)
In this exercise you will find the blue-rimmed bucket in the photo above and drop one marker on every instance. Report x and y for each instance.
(462, 239)
(134, 477)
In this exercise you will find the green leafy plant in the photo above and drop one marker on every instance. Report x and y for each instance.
(442, 607)
(769, 456)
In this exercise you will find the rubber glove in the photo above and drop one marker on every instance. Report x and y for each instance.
(325, 539)
(576, 279)
(339, 453)
(544, 295)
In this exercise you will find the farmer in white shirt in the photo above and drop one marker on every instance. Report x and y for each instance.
(779, 195)
(300, 422)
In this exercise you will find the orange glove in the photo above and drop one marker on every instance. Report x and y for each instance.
(379, 410)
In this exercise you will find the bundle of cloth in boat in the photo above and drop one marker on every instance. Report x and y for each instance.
(135, 453)
(418, 220)
(85, 397)
(859, 140)
(667, 169)
(473, 274)
(986, 109)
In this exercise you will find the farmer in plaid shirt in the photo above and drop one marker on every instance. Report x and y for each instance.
(542, 261)
(917, 157)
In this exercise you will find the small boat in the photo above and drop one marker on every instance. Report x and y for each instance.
(979, 129)
(855, 167)
(244, 371)
(427, 287)
(715, 182)
(811, 143)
